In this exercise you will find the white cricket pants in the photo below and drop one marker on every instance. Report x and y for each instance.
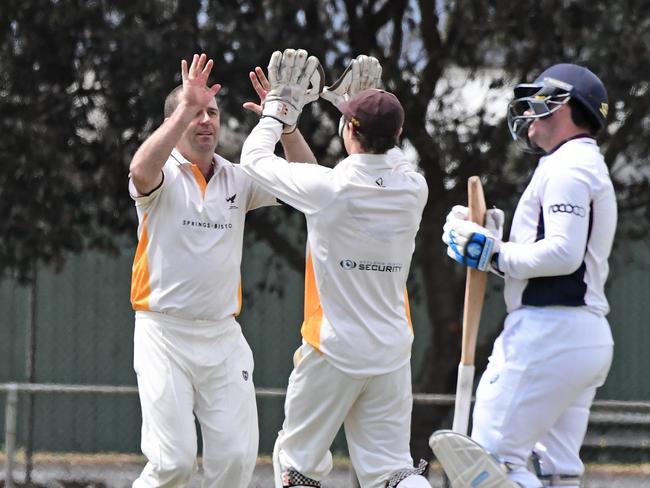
(375, 412)
(187, 368)
(536, 394)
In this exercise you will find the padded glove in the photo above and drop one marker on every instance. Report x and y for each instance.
(295, 80)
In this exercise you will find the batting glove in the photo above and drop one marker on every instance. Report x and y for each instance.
(494, 219)
(362, 73)
(295, 80)
(470, 244)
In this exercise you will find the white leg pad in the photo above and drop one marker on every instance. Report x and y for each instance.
(466, 463)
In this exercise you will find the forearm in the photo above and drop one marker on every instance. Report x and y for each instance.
(259, 146)
(554, 256)
(303, 186)
(146, 166)
(296, 148)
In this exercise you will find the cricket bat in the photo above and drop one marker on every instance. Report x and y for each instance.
(474, 294)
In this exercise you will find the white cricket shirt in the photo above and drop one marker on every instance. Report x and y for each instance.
(562, 232)
(190, 237)
(362, 218)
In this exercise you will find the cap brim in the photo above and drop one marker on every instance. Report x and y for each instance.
(344, 107)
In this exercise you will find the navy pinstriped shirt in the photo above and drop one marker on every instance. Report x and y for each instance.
(562, 232)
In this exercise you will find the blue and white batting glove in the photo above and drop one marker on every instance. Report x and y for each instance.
(494, 219)
(470, 244)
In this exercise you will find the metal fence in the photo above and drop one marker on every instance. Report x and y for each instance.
(614, 427)
(84, 336)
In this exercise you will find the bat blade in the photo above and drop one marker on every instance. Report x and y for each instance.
(473, 305)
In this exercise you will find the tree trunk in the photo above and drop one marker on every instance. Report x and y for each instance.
(443, 292)
(30, 371)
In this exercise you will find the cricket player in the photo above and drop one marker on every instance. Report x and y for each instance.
(556, 346)
(190, 356)
(353, 367)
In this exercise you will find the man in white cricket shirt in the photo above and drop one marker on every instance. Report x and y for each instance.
(190, 356)
(353, 367)
(556, 346)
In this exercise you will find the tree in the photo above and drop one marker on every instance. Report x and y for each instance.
(82, 84)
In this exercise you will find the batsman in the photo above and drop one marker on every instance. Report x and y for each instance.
(555, 350)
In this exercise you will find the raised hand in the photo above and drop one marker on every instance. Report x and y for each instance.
(261, 86)
(196, 91)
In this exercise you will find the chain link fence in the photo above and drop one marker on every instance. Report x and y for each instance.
(65, 430)
(616, 442)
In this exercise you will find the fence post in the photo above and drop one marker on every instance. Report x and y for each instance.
(10, 433)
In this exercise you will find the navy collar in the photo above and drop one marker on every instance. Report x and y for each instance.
(577, 136)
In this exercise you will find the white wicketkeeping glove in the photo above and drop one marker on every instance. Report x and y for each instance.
(295, 80)
(362, 73)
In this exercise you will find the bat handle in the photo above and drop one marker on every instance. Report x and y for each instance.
(463, 398)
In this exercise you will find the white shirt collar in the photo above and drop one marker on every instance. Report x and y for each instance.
(217, 160)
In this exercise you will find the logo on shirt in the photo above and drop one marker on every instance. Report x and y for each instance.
(348, 264)
(231, 201)
(205, 225)
(244, 374)
(376, 266)
(567, 208)
(380, 182)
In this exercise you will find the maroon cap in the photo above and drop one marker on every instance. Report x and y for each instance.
(374, 113)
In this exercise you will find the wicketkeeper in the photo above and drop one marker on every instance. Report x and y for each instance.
(353, 367)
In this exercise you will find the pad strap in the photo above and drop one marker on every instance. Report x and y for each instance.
(293, 478)
(401, 475)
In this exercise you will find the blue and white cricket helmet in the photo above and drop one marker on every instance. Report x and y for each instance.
(552, 89)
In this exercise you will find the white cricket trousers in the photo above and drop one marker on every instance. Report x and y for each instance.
(188, 368)
(375, 412)
(538, 388)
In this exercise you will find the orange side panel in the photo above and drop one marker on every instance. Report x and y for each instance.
(239, 300)
(313, 320)
(200, 179)
(140, 279)
(407, 307)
